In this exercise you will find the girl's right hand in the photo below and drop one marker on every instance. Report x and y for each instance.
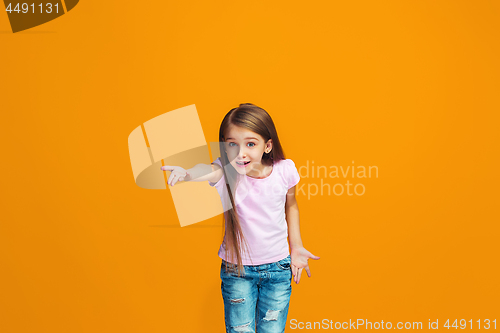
(176, 174)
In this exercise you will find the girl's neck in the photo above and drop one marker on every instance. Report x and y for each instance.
(260, 174)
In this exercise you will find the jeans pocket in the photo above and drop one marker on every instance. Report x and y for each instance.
(284, 264)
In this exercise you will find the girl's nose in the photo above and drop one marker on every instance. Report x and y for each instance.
(242, 154)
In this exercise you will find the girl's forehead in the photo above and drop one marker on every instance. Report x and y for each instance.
(237, 132)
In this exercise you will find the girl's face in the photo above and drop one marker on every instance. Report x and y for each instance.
(245, 149)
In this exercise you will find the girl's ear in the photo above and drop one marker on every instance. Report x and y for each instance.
(269, 144)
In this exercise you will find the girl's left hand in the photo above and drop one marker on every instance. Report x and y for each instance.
(299, 258)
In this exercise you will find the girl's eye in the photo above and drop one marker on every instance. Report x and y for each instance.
(232, 144)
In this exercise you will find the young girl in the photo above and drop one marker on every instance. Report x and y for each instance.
(257, 188)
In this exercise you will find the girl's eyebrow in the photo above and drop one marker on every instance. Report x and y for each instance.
(243, 139)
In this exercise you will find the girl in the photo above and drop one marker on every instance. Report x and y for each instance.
(257, 188)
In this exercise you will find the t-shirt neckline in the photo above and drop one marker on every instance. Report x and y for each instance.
(272, 172)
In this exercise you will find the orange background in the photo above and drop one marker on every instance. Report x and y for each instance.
(411, 87)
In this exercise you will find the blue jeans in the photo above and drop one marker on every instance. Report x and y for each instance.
(258, 300)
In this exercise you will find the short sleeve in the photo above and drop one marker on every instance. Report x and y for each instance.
(291, 174)
(219, 163)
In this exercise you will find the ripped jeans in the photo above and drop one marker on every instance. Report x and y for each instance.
(258, 300)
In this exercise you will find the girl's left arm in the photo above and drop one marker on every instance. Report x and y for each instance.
(298, 253)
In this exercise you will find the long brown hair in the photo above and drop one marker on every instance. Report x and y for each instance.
(257, 120)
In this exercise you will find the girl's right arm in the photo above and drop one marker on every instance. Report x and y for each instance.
(198, 173)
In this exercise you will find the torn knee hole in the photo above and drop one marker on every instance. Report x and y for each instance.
(271, 315)
(243, 328)
(237, 300)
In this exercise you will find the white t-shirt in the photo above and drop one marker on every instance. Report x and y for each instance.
(260, 204)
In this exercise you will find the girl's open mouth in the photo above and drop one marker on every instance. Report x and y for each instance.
(242, 164)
